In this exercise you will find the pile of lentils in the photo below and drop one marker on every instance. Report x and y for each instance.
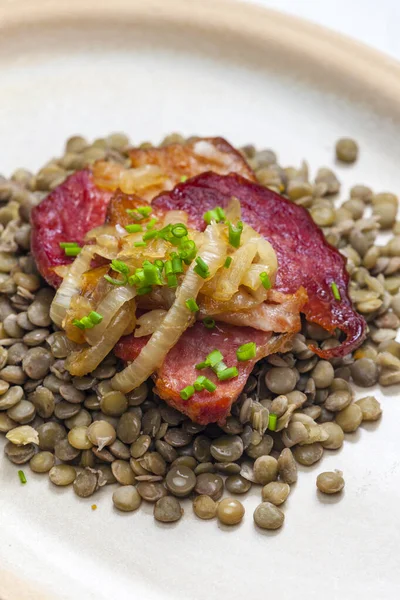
(84, 434)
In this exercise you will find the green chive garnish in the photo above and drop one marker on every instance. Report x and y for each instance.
(228, 262)
(177, 266)
(272, 421)
(139, 244)
(209, 323)
(95, 317)
(219, 367)
(69, 245)
(214, 358)
(335, 291)
(151, 223)
(216, 214)
(192, 305)
(172, 280)
(246, 351)
(145, 211)
(150, 235)
(72, 250)
(119, 267)
(151, 274)
(144, 290)
(92, 319)
(187, 392)
(159, 264)
(135, 228)
(235, 233)
(199, 383)
(209, 386)
(228, 373)
(183, 178)
(265, 280)
(21, 476)
(179, 230)
(201, 268)
(187, 251)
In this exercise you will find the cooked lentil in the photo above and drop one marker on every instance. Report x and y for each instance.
(158, 440)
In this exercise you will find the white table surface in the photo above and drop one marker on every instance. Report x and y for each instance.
(371, 22)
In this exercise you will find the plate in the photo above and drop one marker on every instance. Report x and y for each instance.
(209, 67)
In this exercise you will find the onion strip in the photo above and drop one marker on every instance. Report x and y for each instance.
(108, 308)
(149, 322)
(177, 320)
(86, 360)
(70, 285)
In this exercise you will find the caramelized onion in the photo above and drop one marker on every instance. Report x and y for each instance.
(177, 320)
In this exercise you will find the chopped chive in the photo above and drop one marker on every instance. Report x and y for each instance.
(114, 281)
(273, 418)
(120, 267)
(135, 228)
(21, 476)
(172, 280)
(228, 373)
(139, 244)
(159, 264)
(265, 280)
(151, 274)
(77, 323)
(201, 365)
(68, 245)
(219, 367)
(95, 317)
(145, 211)
(150, 235)
(151, 223)
(187, 251)
(177, 266)
(168, 267)
(144, 290)
(72, 250)
(132, 212)
(216, 214)
(209, 323)
(201, 268)
(183, 178)
(235, 234)
(228, 262)
(199, 383)
(187, 392)
(335, 291)
(214, 357)
(209, 385)
(192, 305)
(179, 230)
(246, 351)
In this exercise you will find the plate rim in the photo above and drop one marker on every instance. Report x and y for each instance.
(352, 65)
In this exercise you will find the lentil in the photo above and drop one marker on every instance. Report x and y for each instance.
(330, 482)
(268, 516)
(230, 511)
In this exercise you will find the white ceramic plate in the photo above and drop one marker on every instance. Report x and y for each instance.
(149, 68)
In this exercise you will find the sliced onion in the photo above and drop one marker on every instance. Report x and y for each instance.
(108, 308)
(86, 360)
(177, 320)
(267, 256)
(251, 278)
(149, 322)
(175, 216)
(71, 284)
(99, 231)
(233, 212)
(279, 318)
(140, 178)
(227, 281)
